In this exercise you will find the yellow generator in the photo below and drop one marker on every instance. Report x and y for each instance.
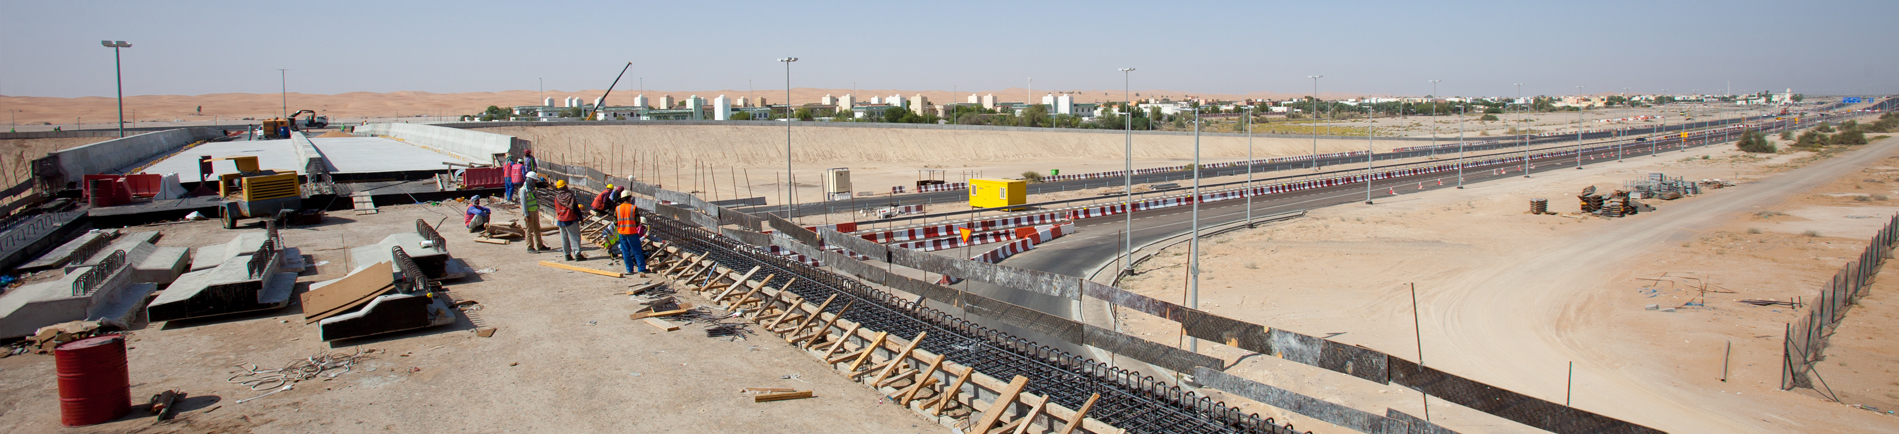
(998, 193)
(255, 192)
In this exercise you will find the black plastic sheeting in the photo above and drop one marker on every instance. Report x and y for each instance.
(1544, 415)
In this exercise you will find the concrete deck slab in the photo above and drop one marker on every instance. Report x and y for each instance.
(374, 155)
(278, 155)
(245, 243)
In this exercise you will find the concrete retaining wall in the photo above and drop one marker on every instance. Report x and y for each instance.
(474, 146)
(115, 156)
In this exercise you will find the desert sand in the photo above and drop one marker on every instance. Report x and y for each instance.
(1509, 298)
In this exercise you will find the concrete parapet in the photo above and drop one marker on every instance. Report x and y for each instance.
(118, 155)
(475, 146)
(308, 154)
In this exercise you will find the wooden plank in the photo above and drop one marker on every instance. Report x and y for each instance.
(768, 389)
(901, 374)
(662, 324)
(640, 315)
(769, 397)
(728, 291)
(811, 338)
(580, 269)
(492, 241)
(910, 393)
(1004, 399)
(353, 290)
(900, 356)
(846, 356)
(927, 376)
(816, 313)
(1080, 414)
(839, 343)
(747, 276)
(868, 350)
(1029, 419)
(949, 394)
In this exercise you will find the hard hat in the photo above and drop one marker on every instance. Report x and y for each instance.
(534, 175)
(609, 186)
(560, 183)
(628, 195)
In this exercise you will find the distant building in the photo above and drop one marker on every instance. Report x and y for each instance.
(920, 104)
(666, 102)
(697, 106)
(827, 100)
(989, 101)
(640, 101)
(847, 101)
(1065, 104)
(742, 102)
(721, 109)
(897, 100)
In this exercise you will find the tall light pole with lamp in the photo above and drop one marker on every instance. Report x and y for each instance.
(118, 75)
(1127, 232)
(1370, 155)
(1579, 111)
(1315, 120)
(1433, 99)
(1523, 142)
(1193, 292)
(791, 191)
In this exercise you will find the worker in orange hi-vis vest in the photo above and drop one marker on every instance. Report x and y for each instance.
(626, 222)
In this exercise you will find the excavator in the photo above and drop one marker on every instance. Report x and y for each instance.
(280, 128)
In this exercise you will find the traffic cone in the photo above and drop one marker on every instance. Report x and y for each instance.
(1394, 191)
(1440, 182)
(1420, 185)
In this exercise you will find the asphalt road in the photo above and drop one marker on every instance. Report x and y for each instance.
(1050, 187)
(1098, 240)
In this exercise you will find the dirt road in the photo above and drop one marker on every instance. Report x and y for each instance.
(1517, 323)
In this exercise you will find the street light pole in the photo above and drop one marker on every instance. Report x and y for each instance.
(1248, 192)
(1127, 233)
(1314, 105)
(1461, 112)
(1433, 101)
(1193, 293)
(1579, 112)
(791, 191)
(1369, 153)
(118, 76)
(283, 91)
(1522, 142)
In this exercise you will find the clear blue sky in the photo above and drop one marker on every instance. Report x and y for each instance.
(51, 48)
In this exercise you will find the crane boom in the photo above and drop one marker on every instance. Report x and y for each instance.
(603, 97)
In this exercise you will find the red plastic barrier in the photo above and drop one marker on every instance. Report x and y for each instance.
(105, 190)
(143, 185)
(482, 177)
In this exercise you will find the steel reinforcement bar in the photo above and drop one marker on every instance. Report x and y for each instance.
(1128, 400)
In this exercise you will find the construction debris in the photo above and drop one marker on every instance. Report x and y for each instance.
(581, 269)
(1659, 186)
(1539, 206)
(1769, 302)
(163, 404)
(662, 324)
(769, 397)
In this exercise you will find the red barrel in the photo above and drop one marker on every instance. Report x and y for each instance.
(94, 384)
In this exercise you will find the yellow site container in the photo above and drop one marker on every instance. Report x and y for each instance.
(998, 193)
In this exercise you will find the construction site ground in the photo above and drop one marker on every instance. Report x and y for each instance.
(1510, 298)
(565, 358)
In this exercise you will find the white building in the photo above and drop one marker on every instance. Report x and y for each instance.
(918, 103)
(897, 100)
(989, 101)
(547, 102)
(640, 100)
(846, 102)
(665, 102)
(1065, 104)
(721, 109)
(827, 100)
(697, 106)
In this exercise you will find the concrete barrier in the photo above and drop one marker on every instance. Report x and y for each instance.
(308, 153)
(474, 146)
(117, 155)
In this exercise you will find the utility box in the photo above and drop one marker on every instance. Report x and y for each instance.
(998, 193)
(837, 183)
